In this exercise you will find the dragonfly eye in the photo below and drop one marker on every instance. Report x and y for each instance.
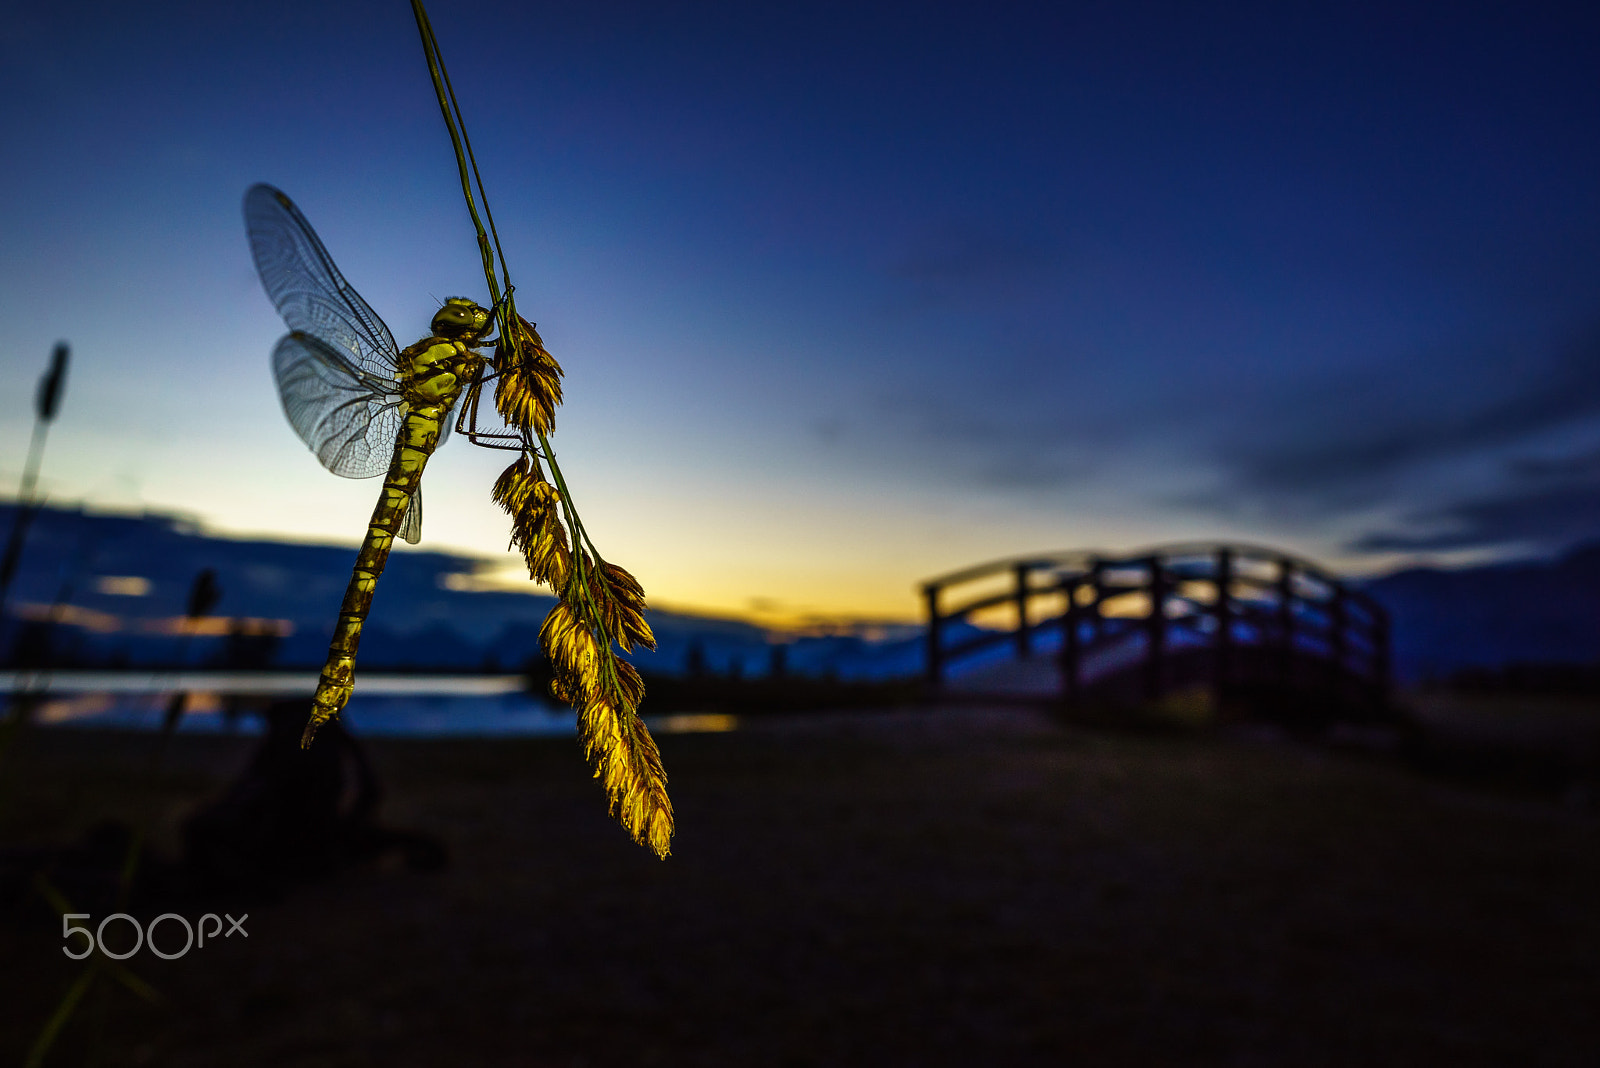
(461, 318)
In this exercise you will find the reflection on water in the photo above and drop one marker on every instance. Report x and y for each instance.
(430, 715)
(400, 706)
(693, 723)
(250, 683)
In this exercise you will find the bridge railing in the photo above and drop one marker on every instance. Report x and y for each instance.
(1264, 616)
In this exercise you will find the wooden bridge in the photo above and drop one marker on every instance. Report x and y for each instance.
(1266, 633)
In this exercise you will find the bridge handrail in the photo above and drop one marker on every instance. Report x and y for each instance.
(1063, 557)
(1296, 602)
(1086, 558)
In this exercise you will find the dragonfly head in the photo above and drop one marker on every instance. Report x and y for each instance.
(461, 320)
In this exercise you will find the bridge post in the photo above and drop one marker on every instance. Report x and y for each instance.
(1285, 621)
(1097, 571)
(935, 665)
(1070, 650)
(1381, 680)
(1338, 640)
(1156, 631)
(1223, 667)
(1024, 636)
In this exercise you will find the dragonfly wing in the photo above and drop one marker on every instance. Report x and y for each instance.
(307, 289)
(349, 418)
(444, 428)
(411, 525)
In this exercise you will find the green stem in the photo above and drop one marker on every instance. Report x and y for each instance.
(467, 168)
(58, 1019)
(441, 89)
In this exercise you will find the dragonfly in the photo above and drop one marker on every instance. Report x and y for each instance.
(362, 404)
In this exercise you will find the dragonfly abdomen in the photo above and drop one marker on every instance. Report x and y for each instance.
(429, 394)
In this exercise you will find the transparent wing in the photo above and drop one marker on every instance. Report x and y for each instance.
(307, 289)
(445, 421)
(411, 524)
(349, 418)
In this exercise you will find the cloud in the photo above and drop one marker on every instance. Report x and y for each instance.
(975, 439)
(828, 429)
(1584, 465)
(1546, 502)
(964, 254)
(1551, 518)
(1022, 468)
(1355, 440)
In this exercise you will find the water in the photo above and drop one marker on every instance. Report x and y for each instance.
(431, 706)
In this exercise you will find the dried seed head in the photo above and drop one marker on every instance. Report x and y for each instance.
(606, 692)
(536, 527)
(620, 601)
(627, 763)
(529, 387)
(511, 489)
(606, 606)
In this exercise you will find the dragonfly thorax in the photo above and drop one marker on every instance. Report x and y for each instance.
(461, 320)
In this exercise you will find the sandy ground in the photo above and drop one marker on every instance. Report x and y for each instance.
(951, 888)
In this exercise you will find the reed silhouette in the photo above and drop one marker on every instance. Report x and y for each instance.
(47, 402)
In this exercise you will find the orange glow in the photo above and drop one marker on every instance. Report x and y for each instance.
(72, 615)
(123, 585)
(694, 723)
(218, 626)
(205, 627)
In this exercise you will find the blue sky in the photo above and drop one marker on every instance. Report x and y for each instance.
(849, 294)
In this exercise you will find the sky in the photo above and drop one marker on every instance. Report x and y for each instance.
(848, 295)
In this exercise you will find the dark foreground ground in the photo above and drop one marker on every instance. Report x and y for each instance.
(949, 889)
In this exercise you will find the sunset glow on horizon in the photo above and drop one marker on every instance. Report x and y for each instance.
(847, 296)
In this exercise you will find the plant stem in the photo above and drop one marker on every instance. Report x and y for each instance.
(467, 168)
